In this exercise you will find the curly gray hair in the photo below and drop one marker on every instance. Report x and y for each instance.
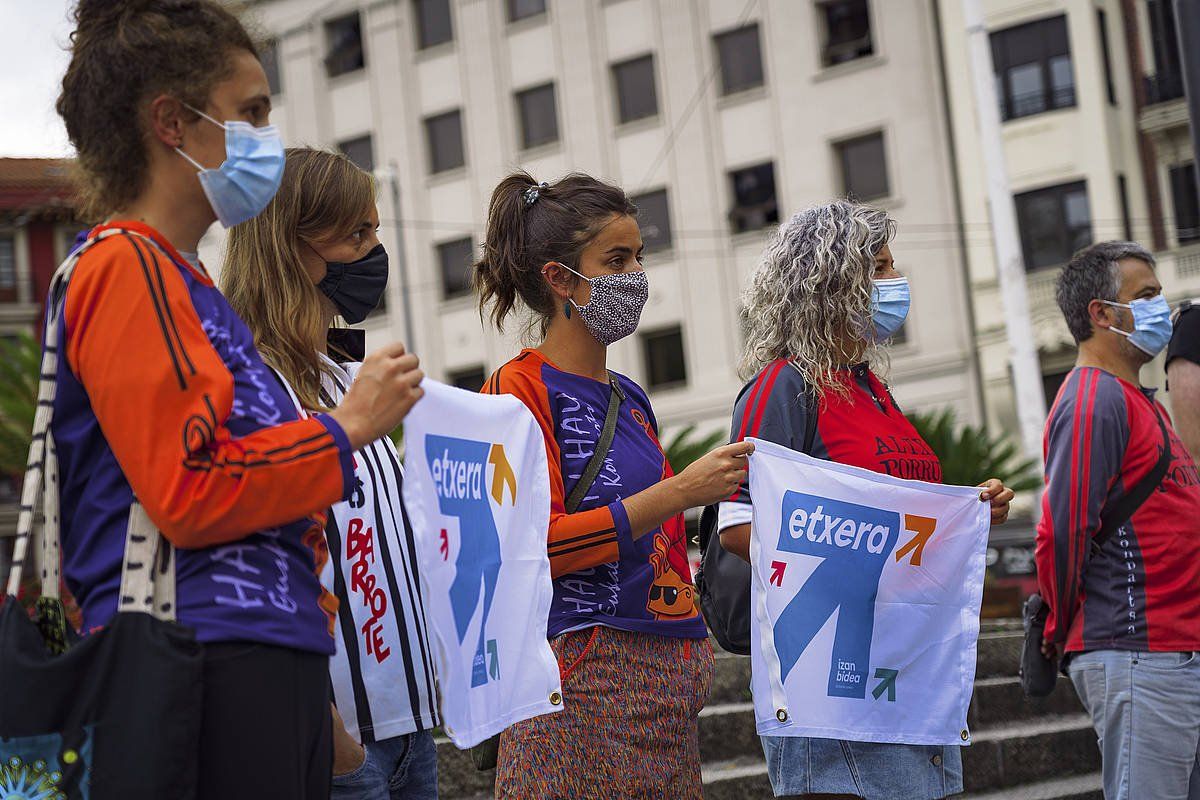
(811, 291)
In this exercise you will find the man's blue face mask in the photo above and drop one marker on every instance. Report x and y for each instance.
(1151, 324)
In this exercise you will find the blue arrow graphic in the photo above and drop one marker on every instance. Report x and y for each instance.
(494, 661)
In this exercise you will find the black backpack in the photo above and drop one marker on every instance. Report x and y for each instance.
(722, 579)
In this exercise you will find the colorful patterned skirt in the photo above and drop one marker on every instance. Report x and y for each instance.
(628, 724)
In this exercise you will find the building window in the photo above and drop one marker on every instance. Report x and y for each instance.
(433, 22)
(360, 151)
(754, 202)
(268, 56)
(523, 9)
(455, 259)
(1055, 223)
(8, 263)
(846, 31)
(654, 218)
(1051, 383)
(1167, 81)
(864, 167)
(1033, 68)
(471, 378)
(740, 59)
(1102, 26)
(538, 115)
(344, 45)
(1123, 196)
(666, 365)
(1183, 199)
(636, 95)
(443, 133)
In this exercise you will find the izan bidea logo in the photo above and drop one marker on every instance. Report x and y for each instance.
(466, 490)
(854, 543)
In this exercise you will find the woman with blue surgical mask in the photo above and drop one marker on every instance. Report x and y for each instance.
(825, 299)
(164, 410)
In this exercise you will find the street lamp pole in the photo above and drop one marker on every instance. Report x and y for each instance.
(1026, 369)
(400, 257)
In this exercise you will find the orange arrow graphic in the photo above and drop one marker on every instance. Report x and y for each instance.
(502, 475)
(923, 528)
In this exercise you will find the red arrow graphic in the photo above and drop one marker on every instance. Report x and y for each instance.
(445, 548)
(777, 569)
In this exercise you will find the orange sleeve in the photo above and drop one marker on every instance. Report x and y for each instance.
(575, 541)
(162, 395)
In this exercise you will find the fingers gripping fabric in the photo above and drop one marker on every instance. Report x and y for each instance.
(148, 574)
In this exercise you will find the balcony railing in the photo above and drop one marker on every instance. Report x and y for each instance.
(1163, 87)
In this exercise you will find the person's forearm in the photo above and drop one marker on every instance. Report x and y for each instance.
(650, 508)
(1183, 377)
(736, 539)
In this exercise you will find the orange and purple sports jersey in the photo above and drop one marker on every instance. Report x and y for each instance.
(602, 575)
(162, 396)
(1142, 591)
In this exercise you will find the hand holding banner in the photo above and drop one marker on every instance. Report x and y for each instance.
(866, 592)
(480, 509)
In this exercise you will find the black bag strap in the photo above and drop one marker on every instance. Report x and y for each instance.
(1128, 505)
(603, 444)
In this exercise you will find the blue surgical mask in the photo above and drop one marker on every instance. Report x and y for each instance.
(250, 175)
(890, 300)
(1151, 324)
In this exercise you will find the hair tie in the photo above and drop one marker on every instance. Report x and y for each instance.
(531, 194)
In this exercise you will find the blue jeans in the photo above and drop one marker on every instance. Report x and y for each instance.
(1146, 711)
(401, 768)
(799, 765)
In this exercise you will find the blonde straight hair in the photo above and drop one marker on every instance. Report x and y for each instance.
(323, 197)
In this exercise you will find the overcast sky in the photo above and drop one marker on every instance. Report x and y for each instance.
(33, 34)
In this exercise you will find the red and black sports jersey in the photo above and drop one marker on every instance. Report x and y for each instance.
(1142, 592)
(864, 428)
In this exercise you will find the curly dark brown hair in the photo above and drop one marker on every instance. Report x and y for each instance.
(124, 53)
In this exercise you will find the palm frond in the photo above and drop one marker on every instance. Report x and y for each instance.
(969, 456)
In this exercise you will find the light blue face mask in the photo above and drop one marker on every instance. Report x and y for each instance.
(1151, 324)
(250, 175)
(890, 300)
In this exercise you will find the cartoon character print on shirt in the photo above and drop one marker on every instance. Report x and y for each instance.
(671, 596)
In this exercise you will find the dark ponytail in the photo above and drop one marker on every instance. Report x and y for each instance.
(530, 224)
(124, 53)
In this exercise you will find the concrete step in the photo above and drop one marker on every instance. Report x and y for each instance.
(736, 779)
(457, 777)
(731, 679)
(1029, 751)
(727, 731)
(999, 653)
(1075, 787)
(1000, 700)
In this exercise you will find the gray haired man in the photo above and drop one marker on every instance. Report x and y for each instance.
(1125, 611)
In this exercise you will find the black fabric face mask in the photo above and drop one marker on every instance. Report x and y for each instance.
(356, 287)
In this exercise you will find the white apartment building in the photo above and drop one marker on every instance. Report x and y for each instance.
(1095, 138)
(720, 117)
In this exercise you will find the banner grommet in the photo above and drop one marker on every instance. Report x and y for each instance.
(556, 698)
(964, 735)
(781, 714)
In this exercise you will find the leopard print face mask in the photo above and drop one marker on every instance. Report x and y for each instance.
(616, 305)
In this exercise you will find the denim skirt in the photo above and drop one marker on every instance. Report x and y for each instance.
(801, 765)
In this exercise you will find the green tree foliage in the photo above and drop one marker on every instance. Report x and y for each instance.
(969, 456)
(20, 363)
(685, 447)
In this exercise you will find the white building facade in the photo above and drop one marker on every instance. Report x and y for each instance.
(1094, 140)
(720, 118)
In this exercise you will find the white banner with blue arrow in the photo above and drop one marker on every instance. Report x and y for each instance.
(477, 490)
(866, 592)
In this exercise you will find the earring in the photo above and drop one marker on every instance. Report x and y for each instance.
(567, 309)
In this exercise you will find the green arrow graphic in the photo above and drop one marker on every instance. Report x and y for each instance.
(494, 668)
(888, 683)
